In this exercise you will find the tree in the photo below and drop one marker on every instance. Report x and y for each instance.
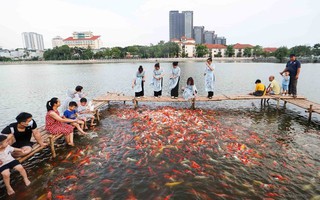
(258, 51)
(201, 50)
(218, 55)
(229, 51)
(115, 52)
(281, 53)
(301, 50)
(247, 52)
(316, 50)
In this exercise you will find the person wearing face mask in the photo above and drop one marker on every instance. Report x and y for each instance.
(20, 134)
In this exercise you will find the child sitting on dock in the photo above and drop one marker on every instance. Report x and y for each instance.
(85, 112)
(7, 162)
(260, 89)
(285, 83)
(190, 91)
(71, 113)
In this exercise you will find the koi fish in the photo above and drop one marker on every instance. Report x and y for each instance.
(172, 184)
(168, 197)
(71, 177)
(131, 159)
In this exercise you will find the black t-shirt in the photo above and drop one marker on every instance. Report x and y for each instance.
(292, 67)
(22, 138)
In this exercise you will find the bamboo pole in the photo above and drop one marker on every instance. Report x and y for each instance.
(36, 150)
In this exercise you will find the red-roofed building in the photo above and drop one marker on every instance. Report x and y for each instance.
(83, 40)
(216, 50)
(187, 46)
(239, 49)
(270, 49)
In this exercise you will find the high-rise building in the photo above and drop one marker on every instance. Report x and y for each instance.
(220, 40)
(32, 41)
(83, 40)
(188, 24)
(198, 32)
(208, 37)
(176, 24)
(57, 42)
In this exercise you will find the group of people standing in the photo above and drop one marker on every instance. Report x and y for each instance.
(189, 91)
(290, 77)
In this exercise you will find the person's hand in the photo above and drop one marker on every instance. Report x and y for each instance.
(297, 77)
(1, 162)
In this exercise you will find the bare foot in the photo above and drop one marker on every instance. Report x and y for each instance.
(27, 182)
(10, 192)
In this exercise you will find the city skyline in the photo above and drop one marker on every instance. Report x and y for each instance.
(143, 22)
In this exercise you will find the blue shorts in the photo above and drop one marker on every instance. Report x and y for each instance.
(285, 87)
(9, 165)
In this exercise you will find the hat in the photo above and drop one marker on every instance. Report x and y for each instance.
(257, 81)
(292, 55)
(3, 138)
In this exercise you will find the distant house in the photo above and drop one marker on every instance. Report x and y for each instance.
(239, 49)
(270, 49)
(83, 40)
(187, 46)
(216, 50)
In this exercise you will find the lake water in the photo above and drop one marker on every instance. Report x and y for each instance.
(222, 150)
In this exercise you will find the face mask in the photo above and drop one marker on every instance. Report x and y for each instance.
(30, 123)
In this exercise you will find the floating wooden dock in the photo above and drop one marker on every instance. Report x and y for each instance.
(299, 101)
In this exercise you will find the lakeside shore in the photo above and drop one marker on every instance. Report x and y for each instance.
(223, 60)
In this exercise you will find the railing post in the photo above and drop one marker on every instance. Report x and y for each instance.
(193, 101)
(310, 113)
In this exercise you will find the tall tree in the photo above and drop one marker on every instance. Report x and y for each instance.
(247, 52)
(115, 52)
(257, 51)
(316, 50)
(281, 53)
(201, 50)
(230, 51)
(301, 50)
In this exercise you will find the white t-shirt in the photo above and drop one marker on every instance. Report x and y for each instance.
(5, 156)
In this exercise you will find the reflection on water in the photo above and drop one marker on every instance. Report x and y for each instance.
(28, 87)
(174, 153)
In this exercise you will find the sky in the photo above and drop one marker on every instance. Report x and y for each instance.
(271, 23)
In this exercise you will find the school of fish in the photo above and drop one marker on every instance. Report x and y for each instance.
(174, 153)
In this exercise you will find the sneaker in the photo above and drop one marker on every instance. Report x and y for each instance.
(175, 97)
(155, 97)
(138, 97)
(172, 97)
(210, 97)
